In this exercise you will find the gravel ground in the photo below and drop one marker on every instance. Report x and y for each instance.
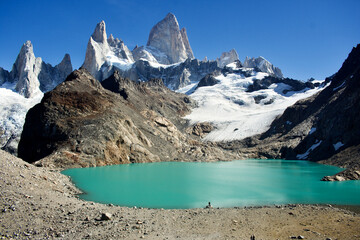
(36, 203)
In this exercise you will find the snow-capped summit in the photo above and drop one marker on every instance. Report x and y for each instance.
(227, 57)
(99, 34)
(119, 48)
(25, 71)
(105, 52)
(264, 66)
(97, 50)
(166, 37)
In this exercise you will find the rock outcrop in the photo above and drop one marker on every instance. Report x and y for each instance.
(227, 57)
(4, 76)
(173, 43)
(263, 65)
(266, 82)
(80, 123)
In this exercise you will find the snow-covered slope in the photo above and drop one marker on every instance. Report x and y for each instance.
(13, 109)
(235, 111)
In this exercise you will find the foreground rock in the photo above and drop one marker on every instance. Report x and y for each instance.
(80, 124)
(38, 204)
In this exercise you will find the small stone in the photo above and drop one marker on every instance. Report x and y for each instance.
(300, 237)
(106, 216)
(328, 238)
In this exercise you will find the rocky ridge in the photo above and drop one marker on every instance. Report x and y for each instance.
(263, 65)
(81, 123)
(227, 57)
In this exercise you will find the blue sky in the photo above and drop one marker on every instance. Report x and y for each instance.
(303, 38)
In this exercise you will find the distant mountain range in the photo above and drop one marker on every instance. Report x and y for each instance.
(231, 109)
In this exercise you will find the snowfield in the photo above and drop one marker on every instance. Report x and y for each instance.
(235, 113)
(13, 109)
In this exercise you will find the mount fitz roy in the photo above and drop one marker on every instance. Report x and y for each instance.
(167, 55)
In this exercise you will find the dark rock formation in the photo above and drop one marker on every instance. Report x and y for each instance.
(81, 124)
(294, 85)
(200, 129)
(208, 80)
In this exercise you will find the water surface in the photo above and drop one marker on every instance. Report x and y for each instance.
(224, 184)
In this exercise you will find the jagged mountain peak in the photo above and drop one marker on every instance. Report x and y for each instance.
(184, 36)
(99, 34)
(166, 37)
(170, 17)
(227, 57)
(264, 66)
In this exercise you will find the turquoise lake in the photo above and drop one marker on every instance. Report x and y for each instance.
(224, 184)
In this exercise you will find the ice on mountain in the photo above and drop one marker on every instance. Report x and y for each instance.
(312, 130)
(338, 145)
(335, 89)
(305, 155)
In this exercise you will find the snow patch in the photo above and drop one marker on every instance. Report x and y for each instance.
(13, 109)
(306, 154)
(334, 89)
(312, 130)
(120, 63)
(338, 145)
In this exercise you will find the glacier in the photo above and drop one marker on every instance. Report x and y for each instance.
(237, 113)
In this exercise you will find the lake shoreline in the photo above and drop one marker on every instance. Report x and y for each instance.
(37, 203)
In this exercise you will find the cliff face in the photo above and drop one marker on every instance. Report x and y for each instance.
(80, 123)
(167, 37)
